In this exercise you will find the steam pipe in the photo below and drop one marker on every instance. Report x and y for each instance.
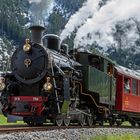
(36, 33)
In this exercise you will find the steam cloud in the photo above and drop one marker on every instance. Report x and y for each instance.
(88, 9)
(37, 1)
(98, 27)
(40, 10)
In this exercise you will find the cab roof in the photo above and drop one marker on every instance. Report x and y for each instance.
(128, 72)
(98, 54)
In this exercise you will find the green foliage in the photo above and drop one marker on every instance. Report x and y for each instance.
(71, 6)
(56, 23)
(12, 19)
(125, 57)
(119, 137)
(3, 121)
(58, 19)
(5, 50)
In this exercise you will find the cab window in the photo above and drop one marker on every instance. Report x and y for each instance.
(110, 69)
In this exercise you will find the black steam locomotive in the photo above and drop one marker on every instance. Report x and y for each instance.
(48, 83)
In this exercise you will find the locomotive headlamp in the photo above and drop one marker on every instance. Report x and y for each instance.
(27, 46)
(48, 85)
(2, 83)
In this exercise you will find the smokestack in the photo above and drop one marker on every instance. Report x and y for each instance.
(36, 32)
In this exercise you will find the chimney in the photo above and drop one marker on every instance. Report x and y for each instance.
(36, 32)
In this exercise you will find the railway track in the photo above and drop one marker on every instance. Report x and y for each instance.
(21, 128)
(6, 129)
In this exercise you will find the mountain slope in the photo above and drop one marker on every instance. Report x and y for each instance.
(122, 44)
(13, 17)
(62, 11)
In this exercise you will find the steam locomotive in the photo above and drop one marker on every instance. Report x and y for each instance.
(48, 83)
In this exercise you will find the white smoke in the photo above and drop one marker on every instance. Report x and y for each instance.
(88, 9)
(36, 1)
(99, 26)
(105, 19)
(40, 10)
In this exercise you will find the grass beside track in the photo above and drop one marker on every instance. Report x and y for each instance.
(3, 121)
(112, 137)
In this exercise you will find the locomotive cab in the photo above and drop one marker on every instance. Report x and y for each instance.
(97, 61)
(98, 76)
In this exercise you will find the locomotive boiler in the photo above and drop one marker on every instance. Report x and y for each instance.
(48, 83)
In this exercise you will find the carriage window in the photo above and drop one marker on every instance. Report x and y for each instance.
(134, 87)
(139, 88)
(126, 85)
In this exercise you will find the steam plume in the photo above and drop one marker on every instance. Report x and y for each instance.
(40, 10)
(105, 19)
(94, 24)
(37, 1)
(88, 9)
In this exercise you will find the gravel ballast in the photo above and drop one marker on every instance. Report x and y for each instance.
(68, 134)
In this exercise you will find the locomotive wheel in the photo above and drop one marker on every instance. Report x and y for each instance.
(101, 123)
(30, 123)
(82, 119)
(90, 120)
(59, 122)
(39, 124)
(118, 123)
(133, 123)
(66, 121)
(111, 122)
